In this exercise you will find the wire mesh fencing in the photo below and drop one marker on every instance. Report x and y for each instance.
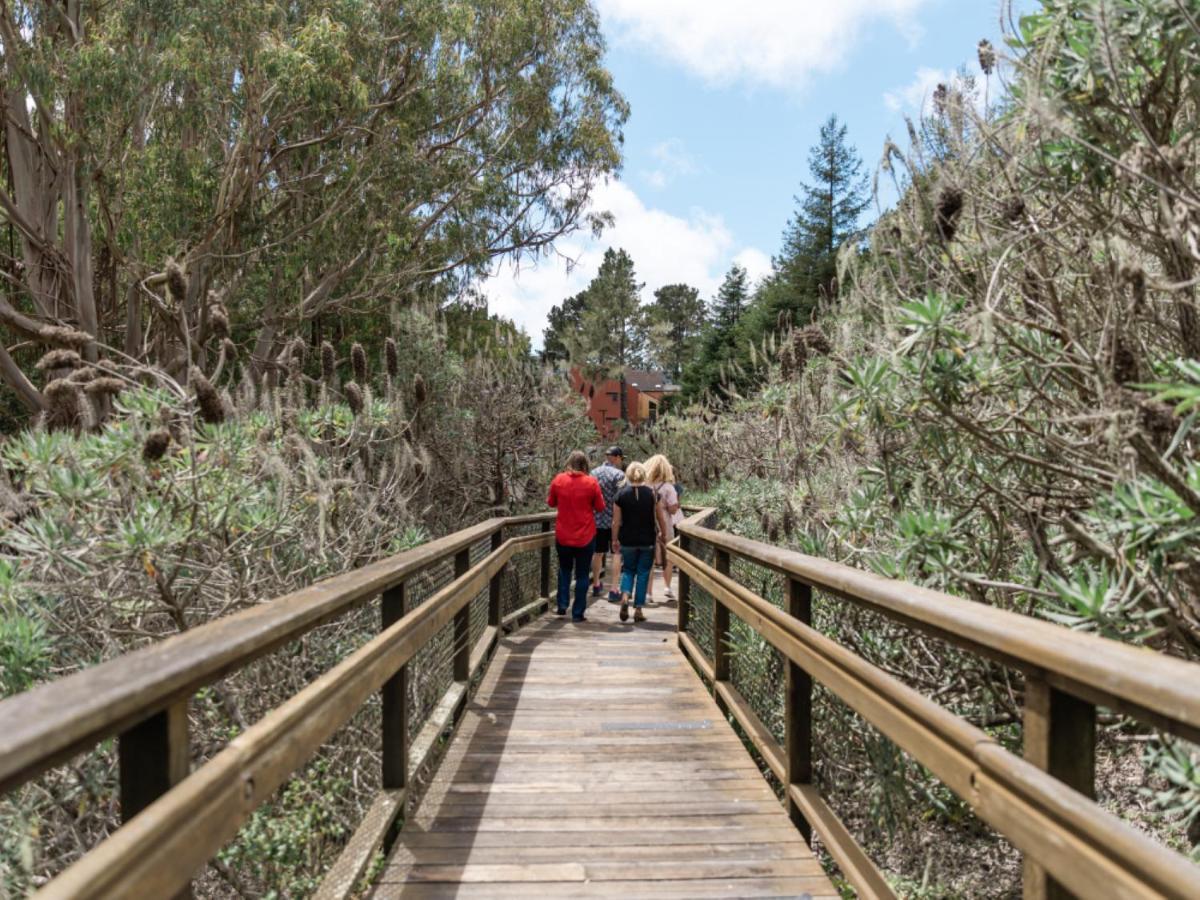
(756, 669)
(701, 605)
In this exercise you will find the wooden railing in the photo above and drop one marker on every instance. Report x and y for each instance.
(1043, 804)
(175, 821)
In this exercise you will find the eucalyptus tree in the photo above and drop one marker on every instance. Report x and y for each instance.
(291, 160)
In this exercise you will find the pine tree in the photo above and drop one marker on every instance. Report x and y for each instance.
(563, 323)
(722, 337)
(612, 333)
(675, 323)
(828, 215)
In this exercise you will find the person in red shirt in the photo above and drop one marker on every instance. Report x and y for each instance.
(576, 495)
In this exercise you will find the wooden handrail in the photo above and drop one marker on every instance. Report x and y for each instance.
(156, 853)
(50, 723)
(1146, 685)
(1069, 842)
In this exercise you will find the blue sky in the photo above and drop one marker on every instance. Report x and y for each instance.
(726, 100)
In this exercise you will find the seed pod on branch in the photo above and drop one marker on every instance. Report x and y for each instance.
(156, 444)
(328, 363)
(218, 321)
(354, 398)
(391, 358)
(104, 387)
(64, 404)
(419, 392)
(987, 57)
(299, 351)
(946, 211)
(61, 358)
(358, 361)
(84, 375)
(212, 410)
(814, 340)
(177, 282)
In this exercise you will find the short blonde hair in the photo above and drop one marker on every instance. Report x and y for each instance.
(635, 473)
(659, 471)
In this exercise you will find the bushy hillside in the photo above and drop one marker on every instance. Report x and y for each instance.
(1000, 403)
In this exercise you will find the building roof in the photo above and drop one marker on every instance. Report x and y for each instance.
(649, 381)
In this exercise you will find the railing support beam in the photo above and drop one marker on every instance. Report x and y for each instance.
(545, 582)
(495, 601)
(462, 624)
(1060, 739)
(153, 757)
(798, 712)
(395, 701)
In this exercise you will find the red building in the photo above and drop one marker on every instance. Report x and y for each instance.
(644, 392)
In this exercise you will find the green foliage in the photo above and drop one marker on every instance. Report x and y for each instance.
(1177, 763)
(26, 652)
(284, 844)
(717, 363)
(675, 323)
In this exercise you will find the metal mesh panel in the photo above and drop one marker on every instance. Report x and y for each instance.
(521, 582)
(700, 613)
(756, 669)
(479, 604)
(431, 670)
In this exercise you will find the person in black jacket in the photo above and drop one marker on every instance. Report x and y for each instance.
(635, 526)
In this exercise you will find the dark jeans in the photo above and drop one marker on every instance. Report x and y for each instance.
(635, 569)
(579, 559)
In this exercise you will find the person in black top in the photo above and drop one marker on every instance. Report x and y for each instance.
(634, 527)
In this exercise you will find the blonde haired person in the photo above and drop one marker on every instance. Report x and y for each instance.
(662, 481)
(634, 526)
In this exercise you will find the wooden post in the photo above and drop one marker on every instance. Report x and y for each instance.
(685, 586)
(798, 711)
(720, 625)
(153, 757)
(1060, 739)
(546, 563)
(462, 624)
(395, 701)
(495, 602)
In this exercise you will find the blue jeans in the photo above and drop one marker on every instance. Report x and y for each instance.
(636, 561)
(578, 559)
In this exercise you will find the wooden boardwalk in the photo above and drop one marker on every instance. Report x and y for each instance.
(593, 763)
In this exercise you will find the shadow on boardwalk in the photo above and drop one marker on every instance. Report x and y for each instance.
(593, 763)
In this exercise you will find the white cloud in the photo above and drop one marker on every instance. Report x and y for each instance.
(778, 43)
(756, 263)
(672, 161)
(916, 97)
(666, 249)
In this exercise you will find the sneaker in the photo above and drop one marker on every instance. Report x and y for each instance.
(597, 589)
(614, 596)
(560, 612)
(624, 610)
(579, 618)
(638, 615)
(669, 594)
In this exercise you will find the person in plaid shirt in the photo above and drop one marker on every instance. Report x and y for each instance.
(611, 476)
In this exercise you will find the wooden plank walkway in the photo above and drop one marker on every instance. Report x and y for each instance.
(593, 763)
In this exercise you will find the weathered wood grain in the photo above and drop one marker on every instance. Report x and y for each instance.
(592, 762)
